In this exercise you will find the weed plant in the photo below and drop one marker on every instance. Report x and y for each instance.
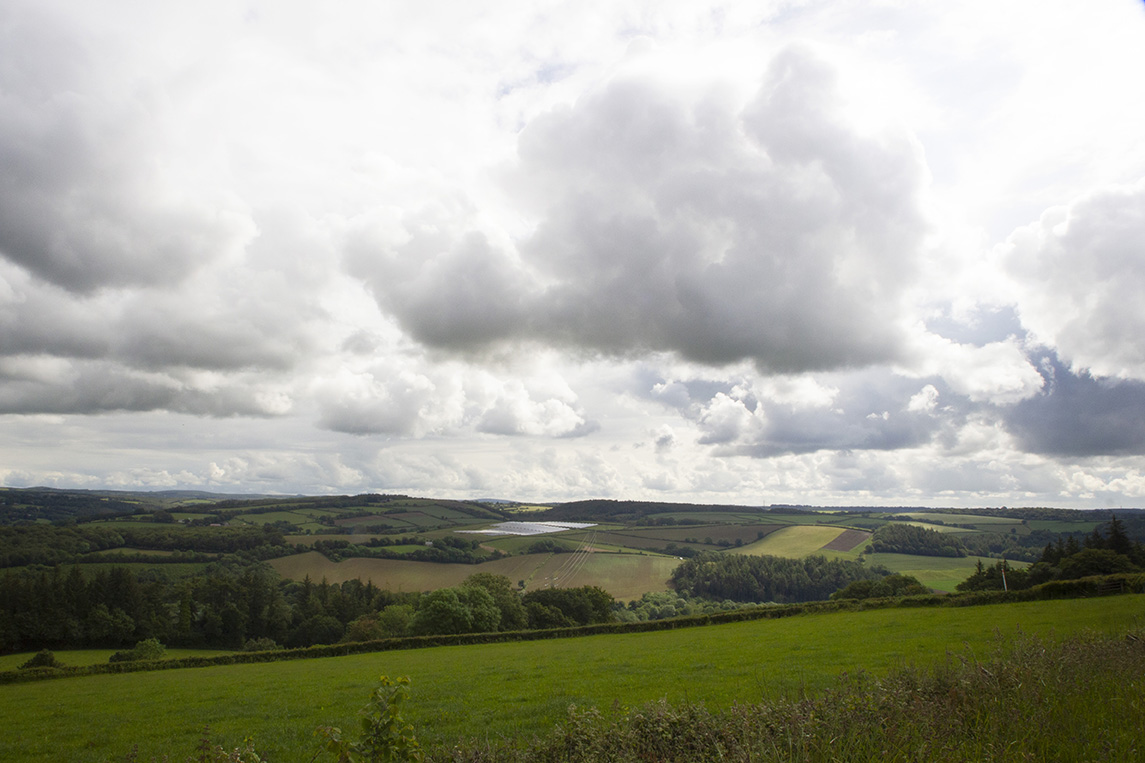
(1032, 700)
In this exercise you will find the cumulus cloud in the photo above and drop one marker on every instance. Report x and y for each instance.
(668, 220)
(447, 400)
(1078, 274)
(555, 254)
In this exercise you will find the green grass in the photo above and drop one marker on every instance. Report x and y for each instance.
(513, 689)
(131, 550)
(993, 524)
(1065, 526)
(793, 542)
(1030, 700)
(941, 573)
(714, 517)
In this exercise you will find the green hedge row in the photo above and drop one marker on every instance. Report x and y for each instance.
(1063, 589)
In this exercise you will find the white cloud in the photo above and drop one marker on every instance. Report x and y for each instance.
(772, 231)
(716, 251)
(1078, 274)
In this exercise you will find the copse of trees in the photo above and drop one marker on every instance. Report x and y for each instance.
(445, 550)
(891, 585)
(564, 607)
(758, 579)
(899, 538)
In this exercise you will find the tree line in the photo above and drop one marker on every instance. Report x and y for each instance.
(229, 608)
(1108, 550)
(28, 544)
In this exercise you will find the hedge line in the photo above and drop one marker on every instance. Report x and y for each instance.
(1058, 589)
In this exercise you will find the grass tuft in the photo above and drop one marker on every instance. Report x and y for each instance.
(1032, 700)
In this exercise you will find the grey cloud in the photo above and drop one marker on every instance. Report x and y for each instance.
(41, 319)
(152, 344)
(92, 387)
(468, 295)
(219, 332)
(777, 234)
(1080, 415)
(82, 204)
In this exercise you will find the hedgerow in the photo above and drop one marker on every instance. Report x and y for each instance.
(1098, 586)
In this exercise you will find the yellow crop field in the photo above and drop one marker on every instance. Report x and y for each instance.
(792, 542)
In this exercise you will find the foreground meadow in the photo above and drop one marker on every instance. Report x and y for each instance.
(512, 690)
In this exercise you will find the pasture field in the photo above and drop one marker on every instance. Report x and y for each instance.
(625, 576)
(793, 542)
(122, 550)
(373, 519)
(945, 529)
(731, 533)
(1066, 526)
(941, 573)
(511, 690)
(521, 508)
(993, 524)
(519, 544)
(298, 517)
(120, 522)
(715, 517)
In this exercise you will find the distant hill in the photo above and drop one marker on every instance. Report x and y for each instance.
(55, 504)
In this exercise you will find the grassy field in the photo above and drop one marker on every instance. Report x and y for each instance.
(941, 573)
(509, 690)
(993, 524)
(625, 576)
(793, 542)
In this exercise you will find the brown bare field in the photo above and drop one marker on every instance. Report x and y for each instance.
(848, 540)
(625, 576)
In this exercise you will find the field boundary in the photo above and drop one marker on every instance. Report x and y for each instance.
(1107, 585)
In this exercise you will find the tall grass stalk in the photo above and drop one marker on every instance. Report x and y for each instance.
(1030, 700)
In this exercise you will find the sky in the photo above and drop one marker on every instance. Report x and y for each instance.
(780, 251)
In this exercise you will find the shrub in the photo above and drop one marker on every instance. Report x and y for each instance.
(385, 734)
(42, 659)
(262, 644)
(148, 649)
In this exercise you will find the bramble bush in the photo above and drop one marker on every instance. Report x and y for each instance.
(386, 736)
